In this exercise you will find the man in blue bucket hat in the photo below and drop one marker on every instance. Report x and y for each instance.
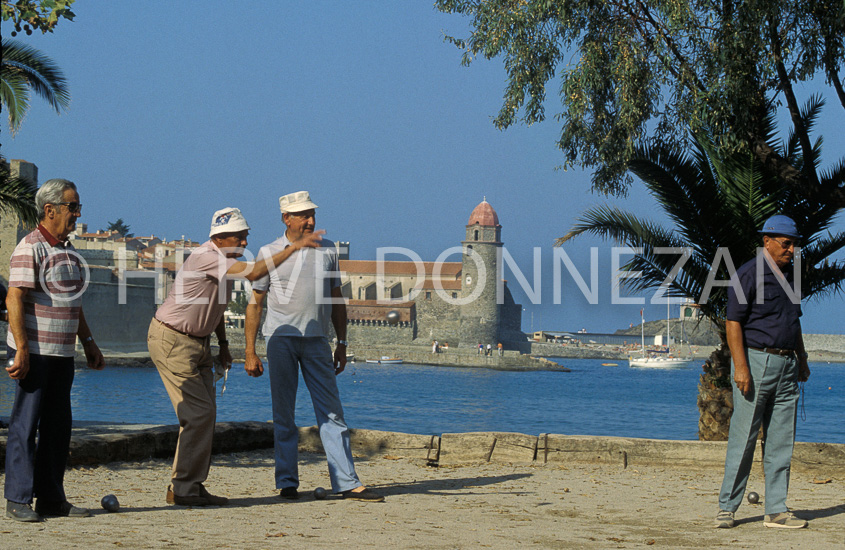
(768, 360)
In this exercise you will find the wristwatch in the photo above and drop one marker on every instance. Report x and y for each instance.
(344, 342)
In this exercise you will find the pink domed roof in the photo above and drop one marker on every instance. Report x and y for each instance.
(483, 214)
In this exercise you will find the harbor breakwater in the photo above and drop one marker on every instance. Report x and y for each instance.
(96, 443)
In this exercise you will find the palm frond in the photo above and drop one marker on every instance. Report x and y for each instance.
(17, 195)
(24, 66)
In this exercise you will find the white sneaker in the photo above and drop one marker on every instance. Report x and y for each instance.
(784, 520)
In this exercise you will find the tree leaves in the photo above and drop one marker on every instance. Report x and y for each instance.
(641, 73)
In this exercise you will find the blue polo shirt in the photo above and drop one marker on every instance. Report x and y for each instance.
(774, 323)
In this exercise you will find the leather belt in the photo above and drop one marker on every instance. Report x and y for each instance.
(174, 329)
(775, 351)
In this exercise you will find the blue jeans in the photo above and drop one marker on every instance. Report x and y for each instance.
(42, 405)
(285, 355)
(772, 403)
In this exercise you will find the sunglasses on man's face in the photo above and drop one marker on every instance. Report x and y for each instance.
(72, 207)
(786, 244)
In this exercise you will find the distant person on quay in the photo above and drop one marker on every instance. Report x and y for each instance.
(179, 341)
(501, 349)
(46, 281)
(768, 360)
(303, 296)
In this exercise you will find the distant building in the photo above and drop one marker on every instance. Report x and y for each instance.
(118, 307)
(11, 228)
(453, 302)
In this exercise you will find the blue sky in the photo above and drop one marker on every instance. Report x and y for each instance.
(182, 108)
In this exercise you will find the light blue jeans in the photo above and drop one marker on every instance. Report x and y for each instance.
(285, 355)
(772, 403)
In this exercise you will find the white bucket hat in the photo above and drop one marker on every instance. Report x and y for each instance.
(227, 220)
(296, 202)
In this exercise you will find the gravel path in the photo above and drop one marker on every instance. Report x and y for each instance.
(489, 506)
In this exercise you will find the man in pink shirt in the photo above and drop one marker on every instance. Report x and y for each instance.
(179, 344)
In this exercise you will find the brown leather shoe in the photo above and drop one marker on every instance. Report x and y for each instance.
(367, 495)
(213, 499)
(204, 499)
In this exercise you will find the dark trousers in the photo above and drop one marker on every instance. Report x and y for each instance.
(42, 404)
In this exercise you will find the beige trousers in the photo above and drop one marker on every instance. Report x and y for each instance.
(185, 366)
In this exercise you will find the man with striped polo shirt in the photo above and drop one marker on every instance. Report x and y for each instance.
(44, 301)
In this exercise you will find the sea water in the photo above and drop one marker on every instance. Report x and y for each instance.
(593, 399)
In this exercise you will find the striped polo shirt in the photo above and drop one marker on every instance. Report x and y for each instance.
(55, 276)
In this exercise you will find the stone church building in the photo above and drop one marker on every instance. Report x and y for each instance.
(461, 304)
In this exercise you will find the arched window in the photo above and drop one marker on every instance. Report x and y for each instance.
(476, 234)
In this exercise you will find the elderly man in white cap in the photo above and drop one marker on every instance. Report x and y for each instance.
(179, 344)
(304, 295)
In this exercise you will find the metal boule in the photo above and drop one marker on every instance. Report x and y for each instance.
(110, 503)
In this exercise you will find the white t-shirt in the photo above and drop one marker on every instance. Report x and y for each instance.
(299, 289)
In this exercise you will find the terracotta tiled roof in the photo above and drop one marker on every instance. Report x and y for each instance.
(370, 267)
(376, 303)
(483, 214)
(445, 285)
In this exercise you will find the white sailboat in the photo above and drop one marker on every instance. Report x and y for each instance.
(655, 360)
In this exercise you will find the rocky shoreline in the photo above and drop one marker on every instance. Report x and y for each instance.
(466, 358)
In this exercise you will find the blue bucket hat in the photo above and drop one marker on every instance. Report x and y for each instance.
(780, 225)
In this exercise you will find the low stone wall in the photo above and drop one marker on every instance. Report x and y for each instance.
(825, 342)
(111, 443)
(455, 357)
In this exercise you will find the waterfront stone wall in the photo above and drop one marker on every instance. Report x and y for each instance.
(825, 342)
(374, 333)
(436, 320)
(104, 443)
(121, 327)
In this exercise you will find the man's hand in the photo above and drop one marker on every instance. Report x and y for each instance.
(803, 370)
(253, 365)
(339, 359)
(309, 240)
(742, 377)
(225, 356)
(18, 370)
(93, 355)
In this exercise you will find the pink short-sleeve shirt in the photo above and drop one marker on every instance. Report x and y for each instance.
(200, 293)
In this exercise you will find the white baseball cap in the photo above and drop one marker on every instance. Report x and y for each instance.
(296, 202)
(227, 220)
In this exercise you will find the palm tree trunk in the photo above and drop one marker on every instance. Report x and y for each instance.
(715, 399)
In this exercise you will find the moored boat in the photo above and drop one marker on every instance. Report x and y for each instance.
(385, 360)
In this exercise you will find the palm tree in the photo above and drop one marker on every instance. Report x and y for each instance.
(717, 205)
(17, 195)
(24, 69)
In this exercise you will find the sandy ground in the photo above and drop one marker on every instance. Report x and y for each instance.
(488, 506)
